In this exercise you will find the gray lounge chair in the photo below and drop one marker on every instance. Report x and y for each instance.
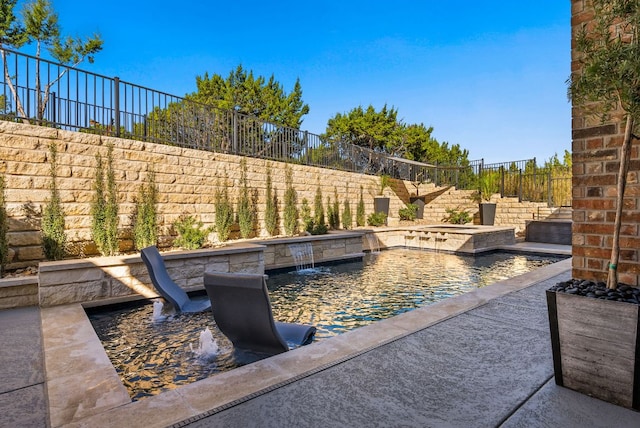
(242, 311)
(165, 286)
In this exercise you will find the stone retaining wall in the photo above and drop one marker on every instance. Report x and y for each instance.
(187, 180)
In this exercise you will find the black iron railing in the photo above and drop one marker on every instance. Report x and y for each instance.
(39, 91)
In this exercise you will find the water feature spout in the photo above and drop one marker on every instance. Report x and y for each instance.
(207, 346)
(302, 255)
(157, 311)
(374, 243)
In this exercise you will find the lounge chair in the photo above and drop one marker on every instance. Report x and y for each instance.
(165, 286)
(242, 311)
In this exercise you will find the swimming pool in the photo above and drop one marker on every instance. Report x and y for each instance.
(152, 357)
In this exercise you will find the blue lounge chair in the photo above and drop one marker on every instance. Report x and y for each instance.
(242, 311)
(165, 286)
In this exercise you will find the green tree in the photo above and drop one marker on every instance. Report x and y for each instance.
(419, 145)
(376, 130)
(606, 80)
(382, 131)
(145, 227)
(290, 204)
(40, 26)
(53, 237)
(263, 98)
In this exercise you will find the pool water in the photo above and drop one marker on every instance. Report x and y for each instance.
(155, 356)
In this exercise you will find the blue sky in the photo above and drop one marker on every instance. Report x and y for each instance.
(488, 75)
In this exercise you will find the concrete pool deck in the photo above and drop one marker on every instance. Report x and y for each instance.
(480, 359)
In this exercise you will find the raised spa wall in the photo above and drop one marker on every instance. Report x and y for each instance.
(468, 239)
(104, 280)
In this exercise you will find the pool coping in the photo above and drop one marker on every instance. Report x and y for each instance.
(84, 389)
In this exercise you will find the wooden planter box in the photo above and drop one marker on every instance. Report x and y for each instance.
(595, 347)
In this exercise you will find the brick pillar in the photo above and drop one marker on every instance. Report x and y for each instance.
(596, 153)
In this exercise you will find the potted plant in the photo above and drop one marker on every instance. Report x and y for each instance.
(595, 327)
(381, 201)
(487, 186)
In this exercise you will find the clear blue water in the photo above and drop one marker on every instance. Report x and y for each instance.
(155, 356)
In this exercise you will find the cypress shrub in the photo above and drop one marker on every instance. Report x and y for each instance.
(4, 228)
(145, 227)
(54, 240)
(318, 209)
(347, 219)
(290, 205)
(104, 208)
(224, 212)
(360, 214)
(245, 208)
(271, 219)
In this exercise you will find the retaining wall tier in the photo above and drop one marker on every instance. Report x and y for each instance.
(187, 180)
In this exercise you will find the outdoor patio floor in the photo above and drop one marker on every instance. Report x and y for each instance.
(480, 359)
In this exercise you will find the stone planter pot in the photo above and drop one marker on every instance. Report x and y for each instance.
(487, 213)
(420, 203)
(381, 204)
(595, 347)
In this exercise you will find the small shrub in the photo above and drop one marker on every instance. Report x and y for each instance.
(316, 229)
(271, 219)
(4, 228)
(145, 226)
(377, 219)
(408, 213)
(308, 223)
(456, 216)
(224, 213)
(191, 234)
(54, 240)
(290, 205)
(360, 214)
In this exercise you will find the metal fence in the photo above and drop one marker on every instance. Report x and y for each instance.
(554, 188)
(39, 91)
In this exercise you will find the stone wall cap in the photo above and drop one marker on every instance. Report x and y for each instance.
(21, 281)
(234, 248)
